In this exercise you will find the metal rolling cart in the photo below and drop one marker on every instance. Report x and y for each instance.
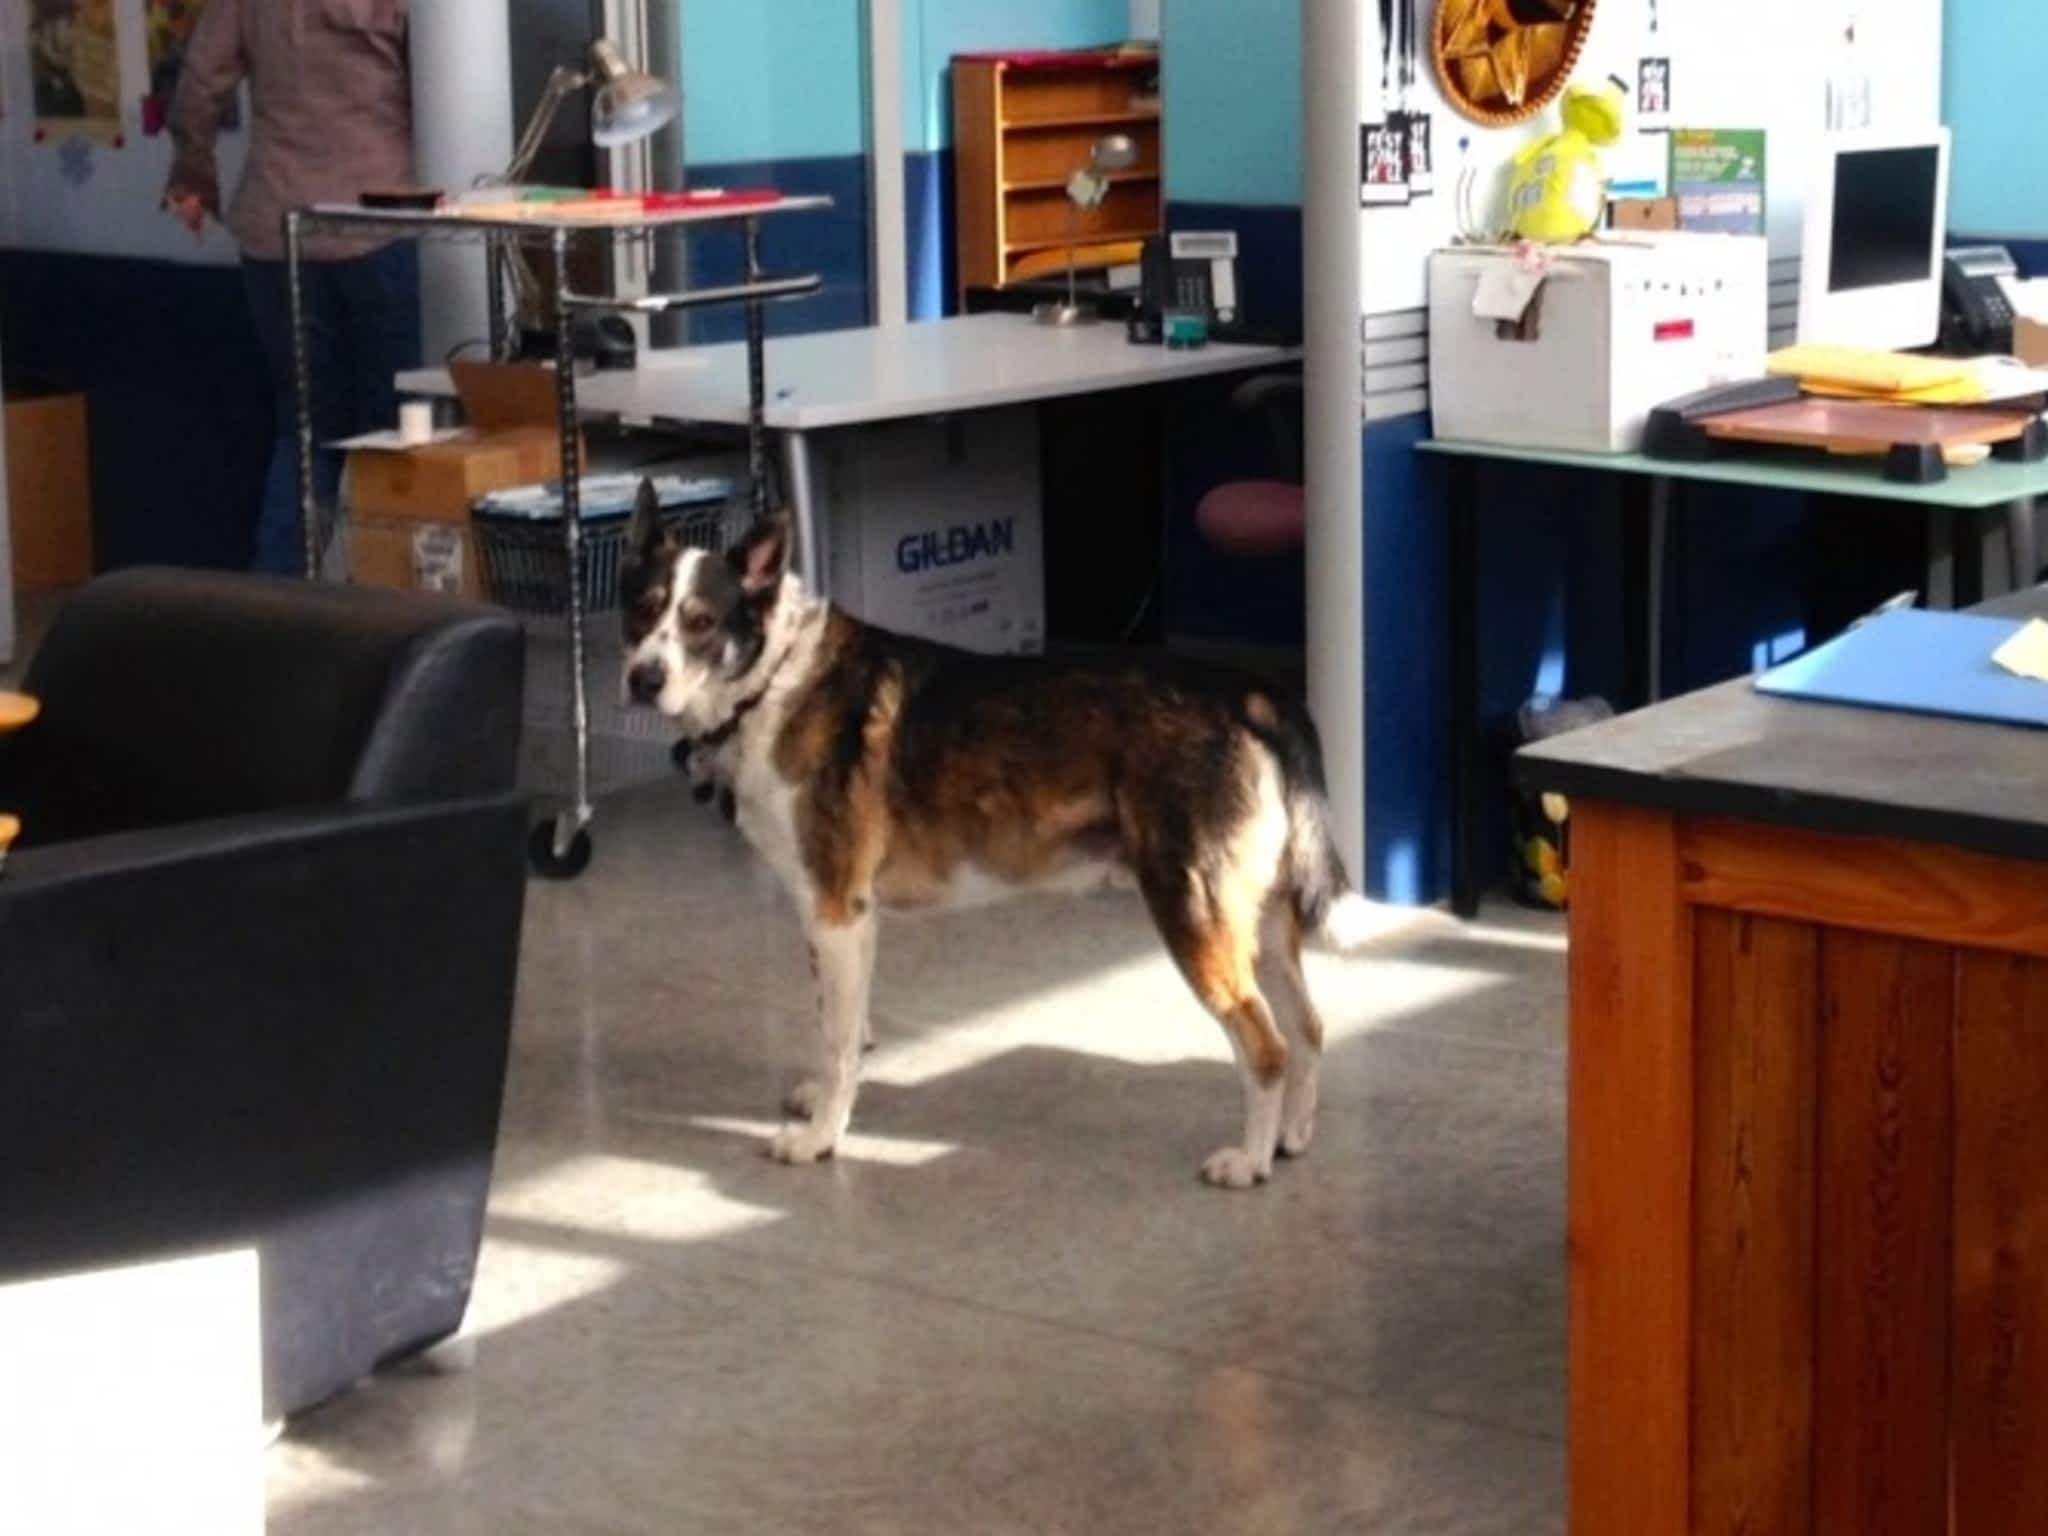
(561, 847)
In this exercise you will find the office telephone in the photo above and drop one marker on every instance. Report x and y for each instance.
(1976, 315)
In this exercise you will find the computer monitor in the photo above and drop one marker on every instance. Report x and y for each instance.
(1876, 216)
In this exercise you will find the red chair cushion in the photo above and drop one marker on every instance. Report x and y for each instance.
(1253, 518)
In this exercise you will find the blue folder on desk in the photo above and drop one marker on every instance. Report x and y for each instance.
(1920, 663)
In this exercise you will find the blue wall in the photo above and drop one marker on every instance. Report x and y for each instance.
(1992, 57)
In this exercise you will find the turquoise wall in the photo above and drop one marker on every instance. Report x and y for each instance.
(1231, 93)
(935, 30)
(1992, 53)
(784, 80)
(771, 81)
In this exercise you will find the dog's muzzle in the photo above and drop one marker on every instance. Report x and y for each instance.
(645, 680)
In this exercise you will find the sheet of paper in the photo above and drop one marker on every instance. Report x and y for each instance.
(391, 440)
(2026, 653)
(1504, 291)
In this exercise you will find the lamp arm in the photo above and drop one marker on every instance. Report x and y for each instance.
(563, 83)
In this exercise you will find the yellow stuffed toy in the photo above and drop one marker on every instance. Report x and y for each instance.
(16, 710)
(1559, 193)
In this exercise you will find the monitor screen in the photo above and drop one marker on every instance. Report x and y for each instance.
(1884, 217)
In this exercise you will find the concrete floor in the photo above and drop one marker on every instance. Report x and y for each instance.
(1008, 1306)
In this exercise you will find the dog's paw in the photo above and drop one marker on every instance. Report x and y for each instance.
(798, 1144)
(802, 1101)
(1234, 1168)
(1295, 1137)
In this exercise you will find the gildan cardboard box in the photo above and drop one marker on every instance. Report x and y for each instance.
(511, 439)
(1611, 329)
(936, 530)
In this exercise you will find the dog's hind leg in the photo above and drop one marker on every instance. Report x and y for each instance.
(1216, 948)
(1285, 988)
(846, 960)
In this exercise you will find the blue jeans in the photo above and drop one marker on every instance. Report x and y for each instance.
(362, 327)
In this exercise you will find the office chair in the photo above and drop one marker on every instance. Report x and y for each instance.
(1260, 519)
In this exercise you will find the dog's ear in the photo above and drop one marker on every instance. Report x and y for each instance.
(761, 559)
(644, 533)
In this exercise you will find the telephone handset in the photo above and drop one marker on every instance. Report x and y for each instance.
(1976, 316)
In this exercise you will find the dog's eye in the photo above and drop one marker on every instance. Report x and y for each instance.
(698, 625)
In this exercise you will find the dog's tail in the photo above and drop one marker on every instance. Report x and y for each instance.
(1324, 898)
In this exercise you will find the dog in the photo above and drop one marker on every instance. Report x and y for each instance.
(876, 773)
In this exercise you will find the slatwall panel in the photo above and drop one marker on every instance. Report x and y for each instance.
(1394, 356)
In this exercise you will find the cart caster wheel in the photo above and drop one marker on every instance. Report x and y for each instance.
(549, 865)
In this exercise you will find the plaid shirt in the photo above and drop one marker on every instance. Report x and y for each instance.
(330, 94)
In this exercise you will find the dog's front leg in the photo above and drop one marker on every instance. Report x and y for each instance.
(845, 953)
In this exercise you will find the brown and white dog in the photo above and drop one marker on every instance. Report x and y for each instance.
(875, 772)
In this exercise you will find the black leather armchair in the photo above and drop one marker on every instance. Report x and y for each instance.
(258, 947)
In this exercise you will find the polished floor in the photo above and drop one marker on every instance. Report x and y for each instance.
(1008, 1306)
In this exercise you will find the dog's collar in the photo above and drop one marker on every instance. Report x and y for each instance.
(720, 734)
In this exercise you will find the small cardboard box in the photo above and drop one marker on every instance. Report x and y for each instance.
(1615, 329)
(408, 556)
(2030, 342)
(1643, 214)
(511, 440)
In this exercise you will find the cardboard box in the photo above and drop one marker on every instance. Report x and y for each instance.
(511, 439)
(49, 493)
(2030, 342)
(1615, 329)
(408, 556)
(936, 529)
(1642, 214)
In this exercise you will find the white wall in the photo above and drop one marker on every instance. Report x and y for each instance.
(1735, 64)
(116, 212)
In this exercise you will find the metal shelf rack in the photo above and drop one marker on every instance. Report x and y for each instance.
(562, 846)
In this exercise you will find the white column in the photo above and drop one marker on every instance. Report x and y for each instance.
(1334, 413)
(462, 128)
(889, 265)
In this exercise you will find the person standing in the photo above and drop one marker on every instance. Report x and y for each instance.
(330, 117)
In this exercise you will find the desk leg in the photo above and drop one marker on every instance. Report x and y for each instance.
(1467, 816)
(799, 482)
(1969, 563)
(2022, 544)
(1941, 559)
(1659, 556)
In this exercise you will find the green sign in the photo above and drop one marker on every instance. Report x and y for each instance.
(1717, 175)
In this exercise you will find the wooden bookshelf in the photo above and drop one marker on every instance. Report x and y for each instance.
(1022, 124)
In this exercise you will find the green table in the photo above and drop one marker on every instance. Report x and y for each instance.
(1957, 505)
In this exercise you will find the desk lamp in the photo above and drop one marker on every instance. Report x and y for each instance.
(630, 105)
(1086, 188)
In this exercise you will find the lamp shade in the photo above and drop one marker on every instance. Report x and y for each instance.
(630, 104)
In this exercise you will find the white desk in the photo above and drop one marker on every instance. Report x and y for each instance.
(852, 378)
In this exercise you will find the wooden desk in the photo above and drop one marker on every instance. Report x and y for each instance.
(1808, 1121)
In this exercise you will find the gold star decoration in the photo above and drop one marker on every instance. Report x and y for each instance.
(1505, 56)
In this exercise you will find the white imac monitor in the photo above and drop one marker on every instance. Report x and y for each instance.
(1876, 222)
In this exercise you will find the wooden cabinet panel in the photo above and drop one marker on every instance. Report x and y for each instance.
(1999, 1375)
(1881, 1367)
(1756, 984)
